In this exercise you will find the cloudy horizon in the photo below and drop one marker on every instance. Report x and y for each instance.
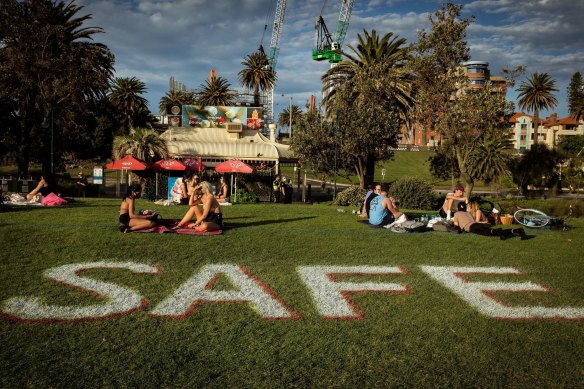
(156, 40)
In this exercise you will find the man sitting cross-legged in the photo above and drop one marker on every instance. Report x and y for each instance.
(384, 210)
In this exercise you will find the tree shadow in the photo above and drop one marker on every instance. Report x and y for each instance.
(228, 224)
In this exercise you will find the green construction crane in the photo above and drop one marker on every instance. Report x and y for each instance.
(327, 48)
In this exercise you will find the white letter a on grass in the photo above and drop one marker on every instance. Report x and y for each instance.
(199, 289)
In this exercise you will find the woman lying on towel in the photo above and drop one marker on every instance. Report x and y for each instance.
(129, 219)
(45, 186)
(210, 217)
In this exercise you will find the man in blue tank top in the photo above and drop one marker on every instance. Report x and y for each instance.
(379, 212)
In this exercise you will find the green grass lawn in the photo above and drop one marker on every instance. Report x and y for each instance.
(429, 336)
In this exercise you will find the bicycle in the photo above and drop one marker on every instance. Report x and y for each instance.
(534, 218)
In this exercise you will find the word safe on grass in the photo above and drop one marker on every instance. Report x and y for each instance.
(331, 297)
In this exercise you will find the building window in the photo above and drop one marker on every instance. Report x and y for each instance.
(523, 126)
(523, 137)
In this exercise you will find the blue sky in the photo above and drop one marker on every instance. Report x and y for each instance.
(154, 40)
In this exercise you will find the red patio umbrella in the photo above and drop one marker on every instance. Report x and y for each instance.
(168, 164)
(234, 166)
(127, 163)
(194, 164)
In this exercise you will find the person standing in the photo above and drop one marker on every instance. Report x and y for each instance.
(276, 188)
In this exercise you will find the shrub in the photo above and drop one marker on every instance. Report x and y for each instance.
(244, 197)
(352, 196)
(413, 193)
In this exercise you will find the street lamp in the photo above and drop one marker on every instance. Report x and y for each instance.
(290, 117)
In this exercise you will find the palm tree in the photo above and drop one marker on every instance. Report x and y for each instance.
(378, 57)
(490, 159)
(142, 143)
(125, 95)
(216, 93)
(284, 117)
(175, 97)
(257, 75)
(536, 94)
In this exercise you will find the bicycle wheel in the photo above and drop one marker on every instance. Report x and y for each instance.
(531, 218)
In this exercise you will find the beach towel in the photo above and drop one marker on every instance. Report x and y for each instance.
(166, 228)
(52, 200)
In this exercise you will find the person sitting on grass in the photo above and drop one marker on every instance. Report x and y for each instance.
(222, 191)
(479, 216)
(129, 220)
(382, 210)
(367, 202)
(210, 218)
(452, 199)
(467, 223)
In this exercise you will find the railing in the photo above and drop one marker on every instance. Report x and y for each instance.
(414, 148)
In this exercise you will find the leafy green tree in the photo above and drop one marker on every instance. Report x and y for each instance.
(437, 57)
(176, 97)
(475, 123)
(443, 164)
(314, 143)
(576, 96)
(379, 63)
(66, 77)
(535, 94)
(364, 130)
(537, 167)
(257, 74)
(217, 92)
(125, 95)
(284, 117)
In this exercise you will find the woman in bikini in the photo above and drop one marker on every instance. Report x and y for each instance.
(129, 220)
(223, 191)
(210, 217)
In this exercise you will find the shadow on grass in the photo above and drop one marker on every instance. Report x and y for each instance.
(231, 225)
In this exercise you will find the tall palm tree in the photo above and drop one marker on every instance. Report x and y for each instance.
(125, 96)
(536, 94)
(175, 97)
(490, 159)
(257, 74)
(284, 117)
(374, 57)
(142, 143)
(216, 93)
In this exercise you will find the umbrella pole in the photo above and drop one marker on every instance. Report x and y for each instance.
(156, 175)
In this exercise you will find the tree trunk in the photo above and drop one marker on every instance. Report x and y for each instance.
(256, 96)
(360, 172)
(369, 175)
(535, 125)
(464, 175)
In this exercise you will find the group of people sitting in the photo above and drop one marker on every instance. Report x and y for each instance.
(204, 213)
(184, 188)
(465, 216)
(381, 209)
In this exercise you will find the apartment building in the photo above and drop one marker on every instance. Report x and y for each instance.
(548, 132)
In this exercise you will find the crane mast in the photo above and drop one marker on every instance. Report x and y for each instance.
(273, 53)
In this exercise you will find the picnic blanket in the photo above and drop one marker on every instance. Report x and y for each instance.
(166, 227)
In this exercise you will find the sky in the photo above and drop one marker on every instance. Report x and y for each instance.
(154, 40)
